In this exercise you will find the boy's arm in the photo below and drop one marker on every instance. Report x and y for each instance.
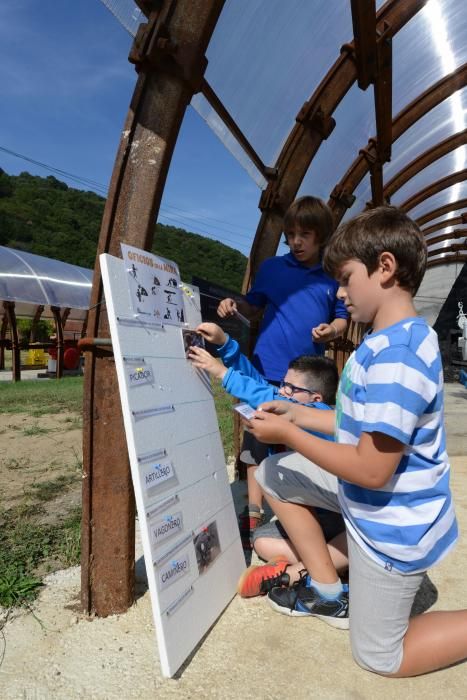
(252, 305)
(369, 464)
(234, 382)
(201, 359)
(305, 417)
(326, 332)
(228, 307)
(248, 389)
(231, 356)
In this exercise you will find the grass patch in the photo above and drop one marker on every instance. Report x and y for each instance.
(225, 418)
(69, 544)
(32, 430)
(26, 545)
(73, 422)
(14, 464)
(48, 490)
(39, 397)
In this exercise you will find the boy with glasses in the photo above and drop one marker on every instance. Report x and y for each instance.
(309, 381)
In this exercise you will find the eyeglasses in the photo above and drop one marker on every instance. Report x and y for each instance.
(290, 389)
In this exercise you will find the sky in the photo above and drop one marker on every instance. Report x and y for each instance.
(66, 84)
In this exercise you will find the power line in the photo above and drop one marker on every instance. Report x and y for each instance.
(102, 189)
(191, 220)
(64, 173)
(173, 220)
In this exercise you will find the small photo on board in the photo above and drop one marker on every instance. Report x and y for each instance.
(207, 547)
(191, 339)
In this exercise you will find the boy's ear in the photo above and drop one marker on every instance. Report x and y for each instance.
(317, 397)
(387, 266)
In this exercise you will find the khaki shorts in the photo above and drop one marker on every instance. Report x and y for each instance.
(380, 601)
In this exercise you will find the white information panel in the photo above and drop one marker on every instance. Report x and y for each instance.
(191, 542)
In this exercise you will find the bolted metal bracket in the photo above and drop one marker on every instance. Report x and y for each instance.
(270, 198)
(153, 47)
(343, 197)
(315, 118)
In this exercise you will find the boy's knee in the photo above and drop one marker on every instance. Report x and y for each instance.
(381, 661)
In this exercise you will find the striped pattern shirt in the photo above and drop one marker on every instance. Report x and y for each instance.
(393, 384)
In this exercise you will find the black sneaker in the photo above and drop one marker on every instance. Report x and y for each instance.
(303, 600)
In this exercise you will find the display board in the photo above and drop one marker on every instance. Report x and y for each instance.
(189, 531)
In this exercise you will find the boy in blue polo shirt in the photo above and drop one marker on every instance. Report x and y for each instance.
(388, 473)
(301, 314)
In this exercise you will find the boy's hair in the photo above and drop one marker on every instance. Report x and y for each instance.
(373, 232)
(311, 214)
(319, 373)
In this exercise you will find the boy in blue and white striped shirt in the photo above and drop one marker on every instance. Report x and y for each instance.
(388, 473)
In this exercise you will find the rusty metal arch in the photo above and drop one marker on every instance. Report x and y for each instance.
(440, 211)
(454, 248)
(455, 221)
(435, 187)
(423, 161)
(169, 54)
(458, 233)
(448, 260)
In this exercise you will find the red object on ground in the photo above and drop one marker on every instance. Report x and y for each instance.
(71, 358)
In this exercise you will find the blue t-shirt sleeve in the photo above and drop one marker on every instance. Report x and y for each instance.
(258, 294)
(232, 357)
(248, 389)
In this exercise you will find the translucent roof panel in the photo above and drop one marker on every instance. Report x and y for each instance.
(266, 69)
(355, 123)
(447, 165)
(32, 279)
(438, 124)
(429, 47)
(267, 57)
(127, 13)
(451, 194)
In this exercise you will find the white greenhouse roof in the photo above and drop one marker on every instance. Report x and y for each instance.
(32, 280)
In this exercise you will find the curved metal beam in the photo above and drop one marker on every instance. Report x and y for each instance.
(314, 124)
(445, 209)
(169, 52)
(459, 233)
(432, 97)
(449, 249)
(434, 188)
(462, 219)
(423, 161)
(448, 260)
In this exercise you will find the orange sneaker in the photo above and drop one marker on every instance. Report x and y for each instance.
(258, 580)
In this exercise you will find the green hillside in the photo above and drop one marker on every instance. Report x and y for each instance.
(46, 217)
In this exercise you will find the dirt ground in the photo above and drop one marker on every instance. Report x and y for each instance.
(37, 451)
(55, 652)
